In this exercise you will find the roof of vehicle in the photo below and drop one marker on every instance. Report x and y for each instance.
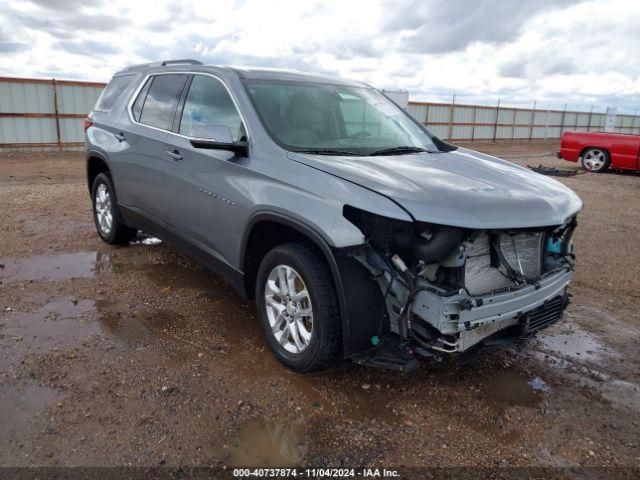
(253, 73)
(294, 75)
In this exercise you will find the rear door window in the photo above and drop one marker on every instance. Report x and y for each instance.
(159, 105)
(208, 103)
(112, 92)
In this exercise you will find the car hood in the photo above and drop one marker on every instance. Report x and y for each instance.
(461, 188)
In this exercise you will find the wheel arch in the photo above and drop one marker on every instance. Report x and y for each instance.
(96, 164)
(604, 149)
(360, 301)
(266, 230)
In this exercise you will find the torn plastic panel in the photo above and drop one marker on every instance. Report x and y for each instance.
(445, 290)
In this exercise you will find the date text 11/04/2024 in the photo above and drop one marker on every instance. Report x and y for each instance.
(316, 472)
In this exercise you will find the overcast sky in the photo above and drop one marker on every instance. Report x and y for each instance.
(554, 51)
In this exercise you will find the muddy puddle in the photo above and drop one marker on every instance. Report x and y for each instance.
(263, 443)
(62, 266)
(130, 328)
(509, 388)
(576, 344)
(65, 266)
(22, 406)
(66, 323)
(59, 324)
(152, 334)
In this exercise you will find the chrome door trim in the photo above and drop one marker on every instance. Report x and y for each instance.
(182, 72)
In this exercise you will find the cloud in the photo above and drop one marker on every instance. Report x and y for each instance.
(10, 45)
(441, 26)
(65, 5)
(87, 47)
(513, 68)
(94, 22)
(542, 65)
(342, 48)
(552, 51)
(62, 20)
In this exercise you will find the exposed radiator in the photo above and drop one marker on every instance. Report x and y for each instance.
(521, 250)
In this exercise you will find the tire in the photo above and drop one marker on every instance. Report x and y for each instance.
(106, 215)
(310, 273)
(596, 160)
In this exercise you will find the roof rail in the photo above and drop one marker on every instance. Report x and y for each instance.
(186, 60)
(163, 64)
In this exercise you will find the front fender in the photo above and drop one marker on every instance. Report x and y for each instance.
(359, 299)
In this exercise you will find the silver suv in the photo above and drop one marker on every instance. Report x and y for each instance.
(358, 232)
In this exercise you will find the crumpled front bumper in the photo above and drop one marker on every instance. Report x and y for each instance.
(463, 320)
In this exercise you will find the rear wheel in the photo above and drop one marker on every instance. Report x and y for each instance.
(596, 160)
(298, 308)
(106, 215)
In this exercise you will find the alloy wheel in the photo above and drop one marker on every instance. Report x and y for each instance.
(594, 160)
(289, 309)
(104, 211)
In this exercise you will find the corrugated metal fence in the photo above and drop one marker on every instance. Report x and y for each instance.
(48, 115)
(37, 114)
(480, 123)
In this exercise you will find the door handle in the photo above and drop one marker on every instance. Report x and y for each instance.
(119, 136)
(175, 154)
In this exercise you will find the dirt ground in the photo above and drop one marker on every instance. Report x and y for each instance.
(134, 356)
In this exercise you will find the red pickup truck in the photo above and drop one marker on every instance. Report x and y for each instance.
(599, 151)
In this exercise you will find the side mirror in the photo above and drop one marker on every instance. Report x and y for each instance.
(217, 137)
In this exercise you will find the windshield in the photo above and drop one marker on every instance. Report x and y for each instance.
(335, 119)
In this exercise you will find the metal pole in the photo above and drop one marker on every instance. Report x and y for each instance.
(495, 126)
(453, 106)
(601, 119)
(533, 116)
(57, 116)
(590, 115)
(513, 125)
(546, 126)
(562, 121)
(473, 125)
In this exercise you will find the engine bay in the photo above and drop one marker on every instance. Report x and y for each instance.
(446, 289)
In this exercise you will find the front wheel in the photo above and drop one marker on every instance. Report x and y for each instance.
(596, 160)
(298, 308)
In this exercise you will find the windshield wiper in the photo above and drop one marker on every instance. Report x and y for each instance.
(329, 151)
(400, 150)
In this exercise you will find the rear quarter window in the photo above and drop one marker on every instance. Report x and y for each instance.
(112, 92)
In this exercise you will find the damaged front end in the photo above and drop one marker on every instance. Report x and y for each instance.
(446, 290)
